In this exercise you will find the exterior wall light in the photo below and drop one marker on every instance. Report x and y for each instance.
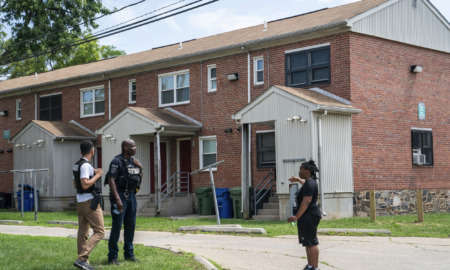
(113, 139)
(416, 69)
(289, 119)
(229, 130)
(233, 76)
(107, 136)
(296, 118)
(4, 113)
(18, 145)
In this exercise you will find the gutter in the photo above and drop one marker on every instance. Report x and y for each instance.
(237, 46)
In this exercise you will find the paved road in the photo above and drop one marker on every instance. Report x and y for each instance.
(336, 252)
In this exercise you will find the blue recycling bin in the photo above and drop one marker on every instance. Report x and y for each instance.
(28, 198)
(224, 203)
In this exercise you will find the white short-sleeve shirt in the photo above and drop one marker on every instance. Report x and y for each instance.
(86, 171)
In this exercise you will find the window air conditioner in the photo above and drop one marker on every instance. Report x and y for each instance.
(418, 159)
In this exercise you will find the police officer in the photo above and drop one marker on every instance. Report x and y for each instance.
(124, 178)
(87, 181)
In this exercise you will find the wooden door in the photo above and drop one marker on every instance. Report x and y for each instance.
(153, 177)
(185, 162)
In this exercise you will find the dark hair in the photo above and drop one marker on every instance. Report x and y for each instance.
(86, 147)
(311, 167)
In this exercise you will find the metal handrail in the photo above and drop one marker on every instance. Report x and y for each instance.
(175, 183)
(257, 197)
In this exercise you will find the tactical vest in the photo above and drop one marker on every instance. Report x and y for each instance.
(130, 181)
(76, 174)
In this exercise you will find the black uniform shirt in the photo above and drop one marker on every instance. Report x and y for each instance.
(117, 168)
(310, 188)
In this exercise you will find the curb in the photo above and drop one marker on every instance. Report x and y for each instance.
(354, 231)
(63, 222)
(11, 221)
(223, 229)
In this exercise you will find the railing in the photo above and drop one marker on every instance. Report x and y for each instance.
(177, 183)
(265, 186)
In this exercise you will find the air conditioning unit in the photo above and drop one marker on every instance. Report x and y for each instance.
(418, 159)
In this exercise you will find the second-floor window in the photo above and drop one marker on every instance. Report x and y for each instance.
(258, 70)
(174, 88)
(92, 101)
(18, 109)
(132, 91)
(308, 67)
(50, 108)
(212, 78)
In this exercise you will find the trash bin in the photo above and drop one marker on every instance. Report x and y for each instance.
(236, 197)
(28, 198)
(205, 201)
(224, 203)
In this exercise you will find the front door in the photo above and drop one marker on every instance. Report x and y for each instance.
(153, 178)
(184, 162)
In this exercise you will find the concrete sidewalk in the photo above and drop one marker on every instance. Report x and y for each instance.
(243, 252)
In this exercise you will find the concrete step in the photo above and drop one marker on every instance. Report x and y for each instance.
(149, 214)
(266, 217)
(147, 210)
(271, 206)
(268, 212)
(274, 199)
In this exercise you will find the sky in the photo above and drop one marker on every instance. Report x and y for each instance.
(218, 17)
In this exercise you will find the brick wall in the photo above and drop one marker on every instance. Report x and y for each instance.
(383, 87)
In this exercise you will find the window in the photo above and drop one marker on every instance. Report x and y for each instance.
(212, 78)
(18, 109)
(92, 101)
(265, 142)
(132, 91)
(422, 146)
(258, 70)
(308, 67)
(50, 108)
(208, 150)
(174, 88)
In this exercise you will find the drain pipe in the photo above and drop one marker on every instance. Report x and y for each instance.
(109, 95)
(321, 163)
(159, 168)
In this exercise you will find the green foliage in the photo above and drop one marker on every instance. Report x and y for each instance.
(37, 252)
(435, 225)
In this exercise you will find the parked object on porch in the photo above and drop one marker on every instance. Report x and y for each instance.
(28, 199)
(224, 203)
(205, 202)
(236, 196)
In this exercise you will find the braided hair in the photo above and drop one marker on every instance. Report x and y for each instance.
(311, 167)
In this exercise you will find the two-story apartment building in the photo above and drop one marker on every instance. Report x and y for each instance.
(382, 61)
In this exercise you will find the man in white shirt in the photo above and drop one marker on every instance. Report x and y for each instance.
(89, 213)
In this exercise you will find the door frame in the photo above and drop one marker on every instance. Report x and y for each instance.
(178, 154)
(168, 157)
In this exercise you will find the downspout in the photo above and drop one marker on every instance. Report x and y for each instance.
(268, 69)
(35, 106)
(201, 89)
(248, 78)
(321, 163)
(109, 97)
(159, 168)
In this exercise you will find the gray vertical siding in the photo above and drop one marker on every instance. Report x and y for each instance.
(64, 157)
(35, 158)
(337, 153)
(400, 22)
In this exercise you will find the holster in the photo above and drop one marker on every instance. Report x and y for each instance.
(97, 199)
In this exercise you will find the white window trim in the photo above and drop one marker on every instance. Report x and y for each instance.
(17, 109)
(210, 89)
(180, 72)
(130, 82)
(255, 70)
(200, 143)
(82, 90)
(422, 129)
(307, 48)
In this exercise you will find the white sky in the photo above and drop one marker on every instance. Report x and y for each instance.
(218, 17)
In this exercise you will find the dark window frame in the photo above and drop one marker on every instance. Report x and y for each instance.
(51, 109)
(419, 141)
(260, 150)
(309, 68)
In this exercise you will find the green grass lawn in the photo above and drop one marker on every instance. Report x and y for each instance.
(435, 225)
(38, 252)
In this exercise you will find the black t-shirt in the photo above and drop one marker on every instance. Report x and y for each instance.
(310, 188)
(117, 168)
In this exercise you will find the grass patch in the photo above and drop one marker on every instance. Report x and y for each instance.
(38, 252)
(435, 225)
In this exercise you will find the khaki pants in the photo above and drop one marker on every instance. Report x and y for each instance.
(93, 218)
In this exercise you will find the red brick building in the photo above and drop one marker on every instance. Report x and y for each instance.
(389, 58)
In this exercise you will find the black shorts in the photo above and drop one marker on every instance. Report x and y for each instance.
(307, 230)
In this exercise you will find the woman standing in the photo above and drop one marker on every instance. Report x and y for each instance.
(308, 214)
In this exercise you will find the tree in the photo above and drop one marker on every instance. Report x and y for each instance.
(84, 53)
(42, 24)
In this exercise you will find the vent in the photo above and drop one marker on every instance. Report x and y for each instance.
(414, 4)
